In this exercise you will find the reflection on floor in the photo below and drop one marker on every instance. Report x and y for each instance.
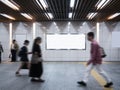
(58, 76)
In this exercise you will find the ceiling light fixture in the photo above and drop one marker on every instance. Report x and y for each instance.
(91, 15)
(47, 15)
(11, 4)
(42, 3)
(55, 23)
(8, 16)
(72, 2)
(50, 15)
(70, 15)
(27, 16)
(114, 15)
(102, 3)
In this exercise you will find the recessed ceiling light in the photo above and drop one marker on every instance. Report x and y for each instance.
(50, 15)
(102, 3)
(91, 15)
(114, 15)
(70, 15)
(8, 16)
(55, 23)
(11, 4)
(72, 2)
(42, 3)
(26, 16)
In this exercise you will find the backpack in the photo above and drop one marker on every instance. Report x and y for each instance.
(103, 54)
(20, 53)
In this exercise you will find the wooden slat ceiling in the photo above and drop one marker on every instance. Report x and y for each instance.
(60, 10)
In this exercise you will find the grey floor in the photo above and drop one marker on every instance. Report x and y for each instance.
(58, 76)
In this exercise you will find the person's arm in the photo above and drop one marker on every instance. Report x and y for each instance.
(29, 53)
(94, 48)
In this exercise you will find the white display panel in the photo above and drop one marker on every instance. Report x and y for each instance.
(70, 41)
(116, 39)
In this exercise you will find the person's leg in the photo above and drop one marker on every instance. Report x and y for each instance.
(12, 57)
(86, 76)
(0, 57)
(28, 65)
(22, 63)
(15, 54)
(87, 73)
(104, 74)
(41, 69)
(41, 72)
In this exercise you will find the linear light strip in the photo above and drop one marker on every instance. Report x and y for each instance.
(72, 2)
(70, 15)
(8, 16)
(114, 15)
(50, 15)
(102, 3)
(10, 34)
(27, 16)
(42, 3)
(11, 4)
(97, 31)
(34, 30)
(91, 15)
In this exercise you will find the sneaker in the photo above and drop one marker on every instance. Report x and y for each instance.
(108, 85)
(82, 83)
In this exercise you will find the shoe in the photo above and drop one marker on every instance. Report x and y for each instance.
(82, 83)
(41, 80)
(108, 84)
(18, 74)
(33, 80)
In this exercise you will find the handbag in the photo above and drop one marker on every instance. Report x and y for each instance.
(36, 59)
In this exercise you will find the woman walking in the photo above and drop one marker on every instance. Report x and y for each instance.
(36, 67)
(23, 54)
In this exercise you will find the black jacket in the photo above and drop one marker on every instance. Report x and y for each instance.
(37, 48)
(24, 56)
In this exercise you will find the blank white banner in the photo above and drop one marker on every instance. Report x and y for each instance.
(62, 41)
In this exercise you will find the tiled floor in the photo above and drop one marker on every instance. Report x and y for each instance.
(58, 76)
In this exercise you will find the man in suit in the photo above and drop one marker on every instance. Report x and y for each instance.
(95, 62)
(1, 50)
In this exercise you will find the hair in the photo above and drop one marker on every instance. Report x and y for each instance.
(35, 41)
(91, 34)
(26, 41)
(14, 41)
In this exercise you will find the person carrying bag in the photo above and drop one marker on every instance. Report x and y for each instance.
(36, 67)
